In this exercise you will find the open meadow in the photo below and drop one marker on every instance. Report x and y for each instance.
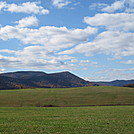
(82, 96)
(67, 111)
(67, 120)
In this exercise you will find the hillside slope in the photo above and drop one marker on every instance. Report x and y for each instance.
(31, 79)
(78, 96)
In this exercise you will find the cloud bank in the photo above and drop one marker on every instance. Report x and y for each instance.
(46, 43)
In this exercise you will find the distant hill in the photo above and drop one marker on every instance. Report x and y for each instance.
(35, 79)
(23, 74)
(120, 83)
(38, 79)
(130, 85)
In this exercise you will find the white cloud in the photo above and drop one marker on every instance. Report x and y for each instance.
(55, 38)
(2, 5)
(7, 51)
(28, 21)
(86, 64)
(27, 7)
(2, 70)
(113, 43)
(87, 61)
(112, 74)
(60, 3)
(115, 6)
(127, 62)
(35, 57)
(38, 57)
(83, 64)
(95, 6)
(47, 42)
(118, 21)
(117, 39)
(120, 5)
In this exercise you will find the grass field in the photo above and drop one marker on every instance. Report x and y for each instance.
(26, 111)
(83, 96)
(67, 120)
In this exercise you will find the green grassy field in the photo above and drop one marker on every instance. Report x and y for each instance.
(24, 111)
(82, 96)
(67, 120)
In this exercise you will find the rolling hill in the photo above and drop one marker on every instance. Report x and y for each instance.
(67, 97)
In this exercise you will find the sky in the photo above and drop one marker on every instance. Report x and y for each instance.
(93, 39)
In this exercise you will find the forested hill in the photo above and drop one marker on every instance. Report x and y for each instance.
(33, 79)
(119, 83)
(37, 79)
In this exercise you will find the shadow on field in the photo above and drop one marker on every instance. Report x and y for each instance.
(88, 105)
(51, 106)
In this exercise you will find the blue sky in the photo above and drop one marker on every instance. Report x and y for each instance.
(94, 39)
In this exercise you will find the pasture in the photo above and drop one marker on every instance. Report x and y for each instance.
(67, 97)
(67, 111)
(67, 120)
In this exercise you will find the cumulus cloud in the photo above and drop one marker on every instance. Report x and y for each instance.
(46, 43)
(28, 21)
(115, 6)
(38, 57)
(55, 38)
(117, 39)
(60, 3)
(120, 5)
(118, 21)
(50, 45)
(27, 7)
(113, 43)
(35, 57)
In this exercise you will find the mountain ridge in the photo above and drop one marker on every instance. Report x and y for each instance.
(116, 83)
(38, 79)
